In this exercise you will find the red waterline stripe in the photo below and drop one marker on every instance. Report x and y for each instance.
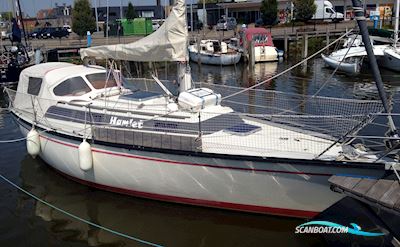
(187, 163)
(199, 202)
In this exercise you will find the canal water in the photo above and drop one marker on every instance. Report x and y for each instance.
(26, 222)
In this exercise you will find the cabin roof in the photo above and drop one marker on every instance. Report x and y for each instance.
(250, 32)
(40, 70)
(59, 74)
(256, 30)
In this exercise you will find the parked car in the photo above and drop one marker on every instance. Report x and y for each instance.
(68, 28)
(36, 33)
(155, 25)
(260, 22)
(55, 32)
(197, 25)
(226, 24)
(5, 35)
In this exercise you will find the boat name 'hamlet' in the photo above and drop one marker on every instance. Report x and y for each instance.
(130, 123)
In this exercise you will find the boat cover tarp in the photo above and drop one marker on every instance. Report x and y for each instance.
(168, 43)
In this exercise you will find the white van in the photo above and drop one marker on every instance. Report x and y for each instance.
(325, 11)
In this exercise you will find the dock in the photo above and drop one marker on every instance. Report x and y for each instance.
(376, 192)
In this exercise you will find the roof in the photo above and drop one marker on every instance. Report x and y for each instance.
(256, 30)
(56, 75)
(240, 5)
(40, 70)
(259, 30)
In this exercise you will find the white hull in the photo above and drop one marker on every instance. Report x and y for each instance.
(352, 68)
(351, 58)
(254, 186)
(215, 59)
(390, 59)
(265, 54)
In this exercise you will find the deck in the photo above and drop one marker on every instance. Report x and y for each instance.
(381, 192)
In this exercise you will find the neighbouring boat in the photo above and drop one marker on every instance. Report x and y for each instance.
(390, 59)
(350, 58)
(264, 49)
(351, 65)
(17, 56)
(13, 59)
(391, 55)
(214, 52)
(255, 151)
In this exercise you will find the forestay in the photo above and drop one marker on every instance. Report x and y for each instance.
(168, 43)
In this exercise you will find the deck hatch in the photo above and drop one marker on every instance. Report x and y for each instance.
(243, 129)
(141, 96)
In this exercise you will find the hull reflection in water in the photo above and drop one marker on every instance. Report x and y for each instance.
(162, 223)
(238, 75)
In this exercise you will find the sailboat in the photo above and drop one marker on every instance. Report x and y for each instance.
(391, 55)
(17, 56)
(214, 52)
(240, 149)
(349, 59)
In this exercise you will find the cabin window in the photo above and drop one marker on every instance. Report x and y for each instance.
(34, 85)
(75, 86)
(99, 80)
(260, 38)
(328, 10)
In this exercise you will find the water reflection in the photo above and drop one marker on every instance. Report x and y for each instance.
(239, 75)
(163, 223)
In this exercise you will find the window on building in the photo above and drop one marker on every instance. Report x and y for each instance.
(99, 80)
(75, 86)
(34, 85)
(148, 14)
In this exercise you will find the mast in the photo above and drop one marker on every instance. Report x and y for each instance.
(97, 15)
(204, 18)
(120, 9)
(108, 12)
(360, 17)
(396, 24)
(191, 16)
(22, 22)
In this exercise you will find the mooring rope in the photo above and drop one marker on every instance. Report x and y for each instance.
(22, 138)
(289, 69)
(77, 217)
(14, 140)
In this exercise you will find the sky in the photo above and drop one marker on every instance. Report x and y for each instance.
(32, 6)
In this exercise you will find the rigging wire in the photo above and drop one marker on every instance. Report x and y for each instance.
(289, 69)
(329, 78)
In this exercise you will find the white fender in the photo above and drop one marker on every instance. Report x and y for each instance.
(85, 156)
(172, 107)
(33, 143)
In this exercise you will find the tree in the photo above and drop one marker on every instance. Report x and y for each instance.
(6, 16)
(130, 13)
(269, 10)
(82, 18)
(304, 9)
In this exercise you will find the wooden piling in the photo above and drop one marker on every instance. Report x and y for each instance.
(252, 59)
(285, 44)
(305, 45)
(327, 37)
(245, 50)
(198, 51)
